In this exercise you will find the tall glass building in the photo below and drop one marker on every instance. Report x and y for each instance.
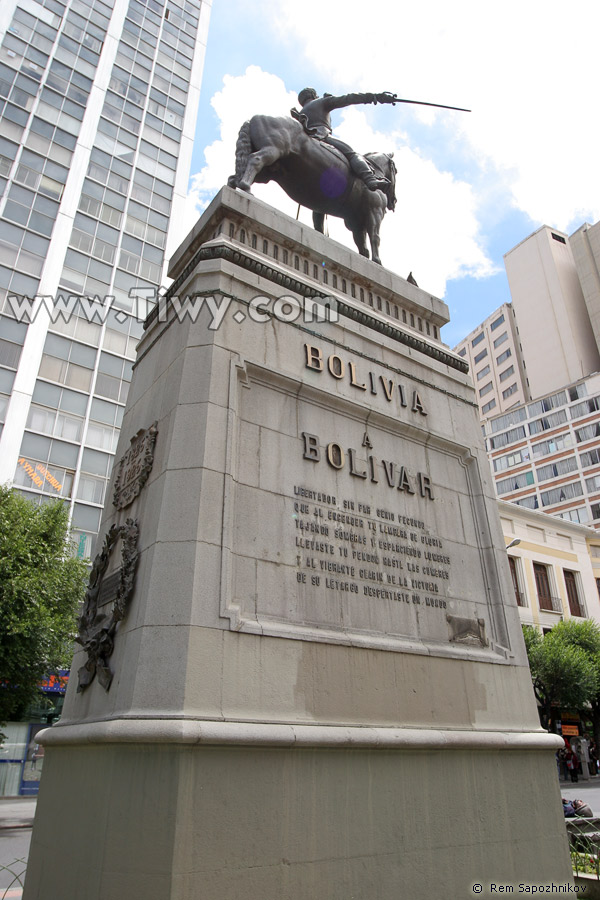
(98, 105)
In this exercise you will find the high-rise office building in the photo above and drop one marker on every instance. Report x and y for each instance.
(585, 246)
(493, 352)
(545, 455)
(98, 105)
(544, 442)
(555, 331)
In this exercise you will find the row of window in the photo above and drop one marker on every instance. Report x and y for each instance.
(547, 595)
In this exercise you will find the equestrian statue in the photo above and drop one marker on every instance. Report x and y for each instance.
(317, 170)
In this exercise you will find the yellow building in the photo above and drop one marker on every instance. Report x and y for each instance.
(555, 566)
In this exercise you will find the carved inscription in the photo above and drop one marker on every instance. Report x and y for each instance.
(370, 551)
(363, 380)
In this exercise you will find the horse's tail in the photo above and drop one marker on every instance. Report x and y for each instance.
(243, 149)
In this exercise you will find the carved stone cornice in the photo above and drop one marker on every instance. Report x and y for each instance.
(240, 258)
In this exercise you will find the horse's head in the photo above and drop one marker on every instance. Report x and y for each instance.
(383, 163)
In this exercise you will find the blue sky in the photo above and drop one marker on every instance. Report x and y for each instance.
(470, 185)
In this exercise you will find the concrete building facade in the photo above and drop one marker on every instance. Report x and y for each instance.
(555, 331)
(493, 351)
(585, 246)
(98, 110)
(546, 454)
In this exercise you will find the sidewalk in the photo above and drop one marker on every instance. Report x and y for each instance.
(17, 812)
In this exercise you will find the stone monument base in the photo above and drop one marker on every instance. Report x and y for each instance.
(263, 812)
(303, 676)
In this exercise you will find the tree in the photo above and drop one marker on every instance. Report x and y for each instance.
(563, 672)
(585, 635)
(41, 587)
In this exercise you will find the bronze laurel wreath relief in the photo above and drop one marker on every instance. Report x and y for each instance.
(97, 626)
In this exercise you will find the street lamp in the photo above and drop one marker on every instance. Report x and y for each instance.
(513, 543)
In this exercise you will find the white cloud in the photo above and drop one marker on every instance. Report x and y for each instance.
(527, 70)
(435, 210)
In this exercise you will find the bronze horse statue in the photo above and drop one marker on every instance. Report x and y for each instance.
(315, 175)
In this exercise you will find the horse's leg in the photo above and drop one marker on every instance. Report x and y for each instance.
(319, 222)
(374, 220)
(360, 239)
(256, 163)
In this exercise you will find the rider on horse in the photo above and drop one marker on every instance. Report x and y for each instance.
(316, 121)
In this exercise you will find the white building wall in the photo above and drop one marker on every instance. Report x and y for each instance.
(585, 245)
(495, 360)
(554, 326)
(559, 547)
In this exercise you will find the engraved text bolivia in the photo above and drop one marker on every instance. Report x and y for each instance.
(396, 475)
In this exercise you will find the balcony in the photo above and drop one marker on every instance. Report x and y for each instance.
(549, 603)
(521, 598)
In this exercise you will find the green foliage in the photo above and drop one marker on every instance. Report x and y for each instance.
(41, 587)
(563, 670)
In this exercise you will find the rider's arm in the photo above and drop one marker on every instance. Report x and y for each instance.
(347, 100)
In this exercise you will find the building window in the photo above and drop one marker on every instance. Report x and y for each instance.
(575, 604)
(514, 483)
(558, 468)
(462, 351)
(285, 257)
(584, 409)
(487, 406)
(316, 273)
(511, 459)
(548, 422)
(265, 246)
(344, 286)
(500, 340)
(483, 372)
(547, 403)
(275, 251)
(588, 432)
(242, 236)
(560, 494)
(297, 262)
(519, 595)
(510, 391)
(477, 340)
(530, 502)
(554, 445)
(497, 322)
(507, 373)
(542, 584)
(577, 391)
(590, 458)
(486, 389)
(558, 237)
(480, 356)
(500, 359)
(334, 282)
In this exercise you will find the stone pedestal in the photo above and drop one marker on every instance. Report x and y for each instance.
(318, 687)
